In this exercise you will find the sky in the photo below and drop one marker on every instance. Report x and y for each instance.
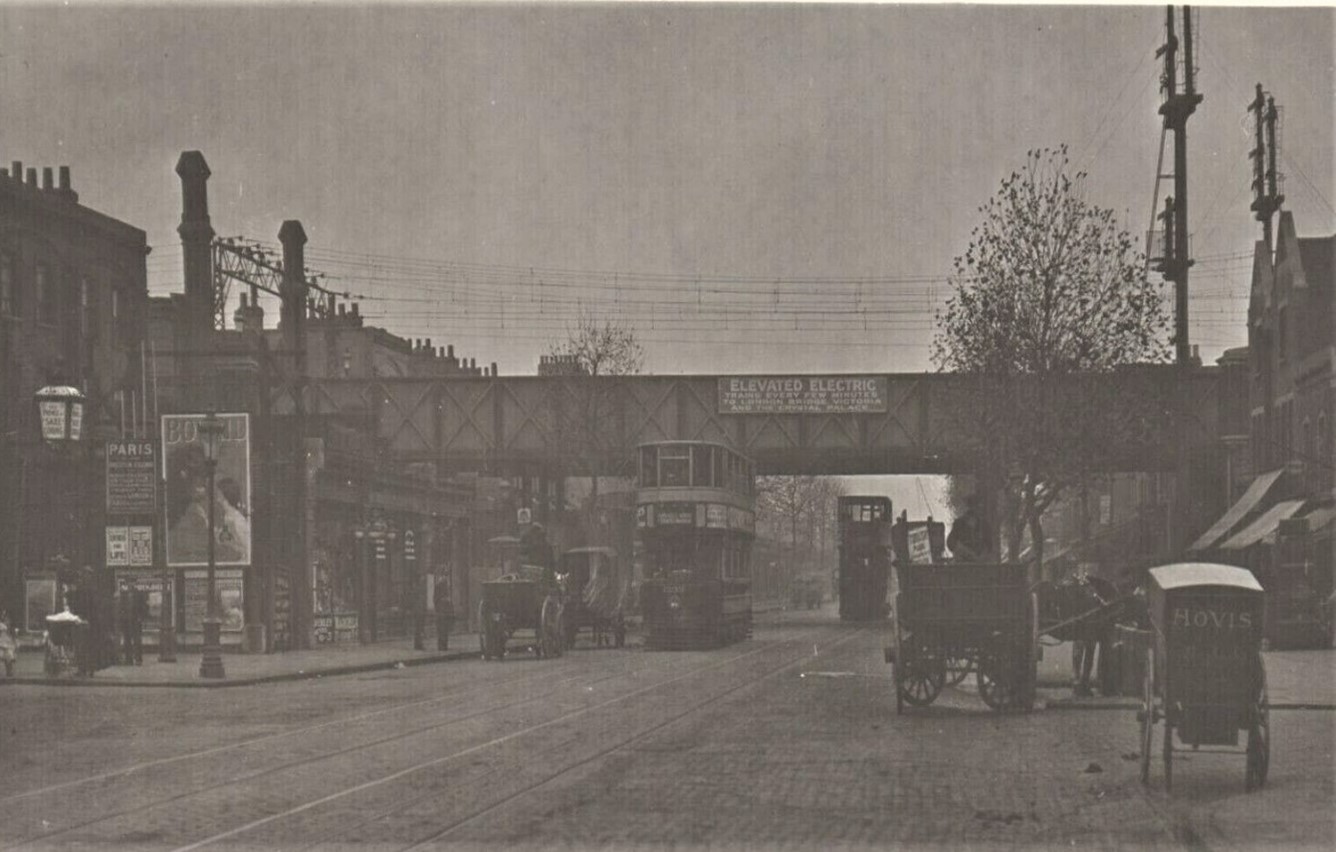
(750, 188)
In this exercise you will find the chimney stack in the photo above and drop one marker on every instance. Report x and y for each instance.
(32, 177)
(293, 286)
(493, 368)
(196, 241)
(48, 178)
(16, 170)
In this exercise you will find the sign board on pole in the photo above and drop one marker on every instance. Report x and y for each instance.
(132, 478)
(920, 545)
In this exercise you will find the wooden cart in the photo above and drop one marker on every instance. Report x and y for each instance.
(1205, 678)
(961, 617)
(523, 602)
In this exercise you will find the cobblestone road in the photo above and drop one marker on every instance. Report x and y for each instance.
(790, 739)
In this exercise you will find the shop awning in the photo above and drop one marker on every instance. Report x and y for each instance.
(1318, 520)
(1242, 508)
(1263, 526)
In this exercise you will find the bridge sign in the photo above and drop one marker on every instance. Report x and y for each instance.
(802, 394)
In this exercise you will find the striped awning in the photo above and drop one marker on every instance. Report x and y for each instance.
(1242, 508)
(1264, 526)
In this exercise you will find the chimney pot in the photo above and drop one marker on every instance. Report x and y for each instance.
(450, 350)
(16, 169)
(48, 178)
(493, 368)
(32, 176)
(356, 311)
(65, 178)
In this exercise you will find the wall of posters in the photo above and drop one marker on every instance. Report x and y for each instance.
(187, 483)
(230, 588)
(153, 586)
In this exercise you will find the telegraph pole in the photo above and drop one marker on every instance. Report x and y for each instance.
(1266, 191)
(1177, 108)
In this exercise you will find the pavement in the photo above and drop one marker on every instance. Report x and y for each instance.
(1296, 680)
(251, 669)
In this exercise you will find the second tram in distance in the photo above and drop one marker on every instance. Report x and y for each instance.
(865, 557)
(695, 521)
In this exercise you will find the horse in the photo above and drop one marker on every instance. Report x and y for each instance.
(1083, 610)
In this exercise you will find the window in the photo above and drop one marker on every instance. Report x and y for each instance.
(674, 466)
(45, 291)
(649, 467)
(700, 467)
(8, 286)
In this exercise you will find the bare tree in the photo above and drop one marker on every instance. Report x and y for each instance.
(583, 403)
(1050, 300)
(801, 509)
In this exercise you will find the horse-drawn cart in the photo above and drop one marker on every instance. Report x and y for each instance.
(596, 592)
(951, 619)
(1205, 677)
(522, 602)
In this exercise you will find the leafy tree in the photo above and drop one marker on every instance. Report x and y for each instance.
(1050, 298)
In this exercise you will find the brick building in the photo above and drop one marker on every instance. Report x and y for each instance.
(73, 298)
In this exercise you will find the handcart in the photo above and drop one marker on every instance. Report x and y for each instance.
(1205, 678)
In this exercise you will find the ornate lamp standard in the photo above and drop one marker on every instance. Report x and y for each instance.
(60, 410)
(211, 438)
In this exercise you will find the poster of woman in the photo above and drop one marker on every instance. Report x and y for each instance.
(188, 496)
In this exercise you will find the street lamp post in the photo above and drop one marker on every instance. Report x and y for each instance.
(60, 411)
(211, 665)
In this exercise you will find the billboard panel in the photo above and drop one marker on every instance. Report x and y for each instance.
(802, 395)
(187, 500)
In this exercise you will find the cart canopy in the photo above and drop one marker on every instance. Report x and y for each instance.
(1184, 574)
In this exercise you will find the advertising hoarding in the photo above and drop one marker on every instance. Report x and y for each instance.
(187, 504)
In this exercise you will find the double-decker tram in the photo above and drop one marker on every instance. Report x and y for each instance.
(695, 522)
(865, 556)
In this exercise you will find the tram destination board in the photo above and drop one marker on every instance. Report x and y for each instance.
(802, 394)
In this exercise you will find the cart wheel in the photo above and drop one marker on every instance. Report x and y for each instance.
(999, 686)
(1147, 717)
(1168, 755)
(922, 681)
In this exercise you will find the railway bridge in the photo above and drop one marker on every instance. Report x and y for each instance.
(882, 423)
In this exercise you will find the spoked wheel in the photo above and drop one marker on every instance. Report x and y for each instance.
(921, 681)
(1259, 744)
(1000, 686)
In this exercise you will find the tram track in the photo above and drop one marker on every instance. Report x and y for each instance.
(124, 771)
(340, 832)
(560, 685)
